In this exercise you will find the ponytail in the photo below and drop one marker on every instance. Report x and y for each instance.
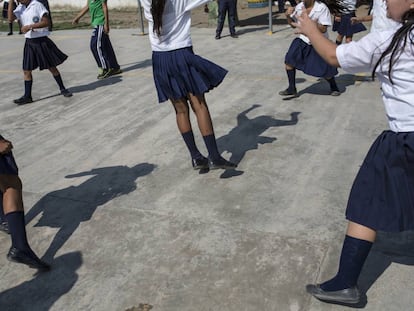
(157, 10)
(402, 35)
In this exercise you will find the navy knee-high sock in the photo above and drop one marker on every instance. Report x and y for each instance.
(17, 228)
(291, 73)
(28, 88)
(332, 84)
(353, 255)
(191, 145)
(211, 144)
(10, 27)
(1, 208)
(59, 81)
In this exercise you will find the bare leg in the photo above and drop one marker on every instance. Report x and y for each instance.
(182, 115)
(205, 124)
(199, 106)
(355, 249)
(20, 251)
(361, 232)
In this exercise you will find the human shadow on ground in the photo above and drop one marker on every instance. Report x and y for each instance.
(67, 208)
(247, 135)
(322, 86)
(42, 291)
(95, 84)
(138, 65)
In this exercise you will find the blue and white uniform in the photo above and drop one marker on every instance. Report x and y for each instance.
(382, 196)
(301, 55)
(177, 70)
(345, 27)
(39, 50)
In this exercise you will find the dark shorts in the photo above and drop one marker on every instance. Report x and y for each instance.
(382, 196)
(180, 72)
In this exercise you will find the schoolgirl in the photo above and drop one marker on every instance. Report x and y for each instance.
(301, 54)
(343, 22)
(183, 77)
(5, 14)
(39, 51)
(382, 194)
(12, 204)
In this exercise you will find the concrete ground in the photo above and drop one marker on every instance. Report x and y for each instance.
(113, 204)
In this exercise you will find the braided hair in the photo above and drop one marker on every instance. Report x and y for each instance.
(402, 36)
(157, 10)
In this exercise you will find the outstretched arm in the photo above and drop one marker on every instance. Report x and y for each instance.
(106, 13)
(325, 47)
(84, 10)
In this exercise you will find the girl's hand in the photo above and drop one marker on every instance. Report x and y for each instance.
(305, 25)
(26, 28)
(289, 10)
(5, 146)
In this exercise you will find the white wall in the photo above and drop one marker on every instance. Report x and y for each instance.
(82, 3)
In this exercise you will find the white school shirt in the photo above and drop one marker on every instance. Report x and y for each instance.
(398, 98)
(176, 23)
(319, 13)
(31, 14)
(380, 21)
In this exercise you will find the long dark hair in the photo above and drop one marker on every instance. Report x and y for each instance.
(401, 37)
(334, 6)
(157, 9)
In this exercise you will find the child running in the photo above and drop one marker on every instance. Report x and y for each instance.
(183, 77)
(301, 54)
(39, 51)
(382, 194)
(100, 43)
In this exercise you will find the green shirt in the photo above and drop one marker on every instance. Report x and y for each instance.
(96, 12)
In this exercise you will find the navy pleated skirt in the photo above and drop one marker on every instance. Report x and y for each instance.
(8, 165)
(382, 196)
(303, 56)
(41, 53)
(180, 72)
(345, 27)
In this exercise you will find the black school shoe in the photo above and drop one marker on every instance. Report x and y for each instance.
(66, 93)
(200, 163)
(220, 163)
(350, 295)
(23, 100)
(289, 92)
(4, 226)
(27, 258)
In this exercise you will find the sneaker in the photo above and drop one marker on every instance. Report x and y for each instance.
(234, 36)
(218, 37)
(23, 100)
(27, 258)
(335, 93)
(288, 92)
(103, 74)
(113, 71)
(4, 226)
(66, 93)
(10, 33)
